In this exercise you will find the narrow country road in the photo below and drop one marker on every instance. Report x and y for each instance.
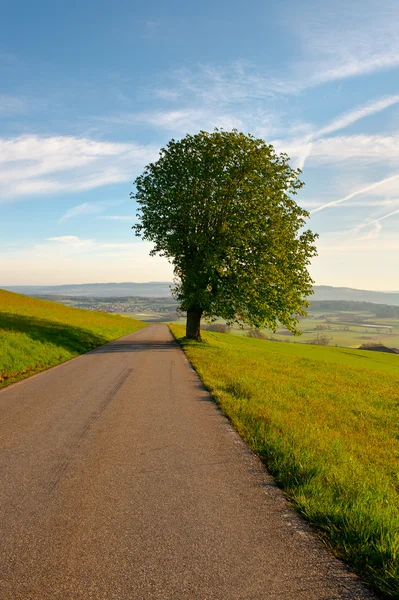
(121, 480)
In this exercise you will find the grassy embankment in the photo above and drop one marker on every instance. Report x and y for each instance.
(326, 423)
(38, 334)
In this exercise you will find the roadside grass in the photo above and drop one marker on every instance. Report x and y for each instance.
(326, 423)
(38, 334)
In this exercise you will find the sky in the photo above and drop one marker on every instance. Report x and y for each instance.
(90, 91)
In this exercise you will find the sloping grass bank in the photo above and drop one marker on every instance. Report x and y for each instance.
(38, 334)
(326, 423)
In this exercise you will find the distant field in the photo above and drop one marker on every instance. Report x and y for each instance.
(345, 329)
(326, 423)
(37, 334)
(338, 328)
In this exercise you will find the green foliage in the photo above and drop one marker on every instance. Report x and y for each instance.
(37, 334)
(219, 206)
(325, 421)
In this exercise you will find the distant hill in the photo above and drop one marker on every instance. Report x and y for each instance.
(381, 311)
(157, 289)
(153, 289)
(328, 292)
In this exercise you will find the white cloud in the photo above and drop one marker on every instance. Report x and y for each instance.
(371, 148)
(72, 241)
(32, 164)
(86, 208)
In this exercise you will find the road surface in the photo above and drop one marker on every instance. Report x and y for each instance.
(121, 480)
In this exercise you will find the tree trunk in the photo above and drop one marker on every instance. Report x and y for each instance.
(193, 324)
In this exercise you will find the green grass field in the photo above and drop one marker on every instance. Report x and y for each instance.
(326, 423)
(37, 334)
(344, 329)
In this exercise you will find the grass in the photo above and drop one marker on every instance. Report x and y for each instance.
(38, 334)
(326, 423)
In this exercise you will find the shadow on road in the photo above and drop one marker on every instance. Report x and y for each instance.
(130, 346)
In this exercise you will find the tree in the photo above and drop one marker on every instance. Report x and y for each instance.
(218, 206)
(321, 339)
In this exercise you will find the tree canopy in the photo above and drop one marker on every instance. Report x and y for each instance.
(219, 207)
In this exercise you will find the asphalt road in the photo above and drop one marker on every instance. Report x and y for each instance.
(121, 480)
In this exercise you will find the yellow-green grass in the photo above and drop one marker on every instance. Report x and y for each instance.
(38, 334)
(326, 423)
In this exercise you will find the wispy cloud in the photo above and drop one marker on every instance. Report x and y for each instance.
(8, 59)
(33, 164)
(328, 54)
(315, 144)
(365, 148)
(354, 68)
(233, 83)
(344, 40)
(187, 119)
(11, 104)
(362, 149)
(190, 119)
(151, 28)
(72, 241)
(230, 97)
(87, 208)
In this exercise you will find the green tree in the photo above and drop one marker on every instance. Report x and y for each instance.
(218, 206)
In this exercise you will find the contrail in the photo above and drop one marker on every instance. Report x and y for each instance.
(359, 113)
(395, 212)
(344, 120)
(353, 194)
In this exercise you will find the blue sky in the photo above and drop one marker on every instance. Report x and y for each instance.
(89, 92)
